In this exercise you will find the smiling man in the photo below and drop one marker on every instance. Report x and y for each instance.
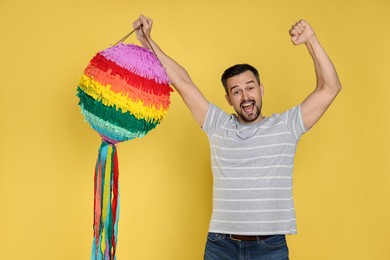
(252, 156)
(244, 92)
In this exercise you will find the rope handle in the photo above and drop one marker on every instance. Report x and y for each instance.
(140, 27)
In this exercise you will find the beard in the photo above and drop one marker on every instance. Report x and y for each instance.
(252, 115)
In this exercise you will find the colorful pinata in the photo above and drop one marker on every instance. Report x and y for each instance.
(124, 93)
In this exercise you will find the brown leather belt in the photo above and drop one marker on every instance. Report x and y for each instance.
(248, 238)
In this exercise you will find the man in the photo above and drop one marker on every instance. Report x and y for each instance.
(252, 155)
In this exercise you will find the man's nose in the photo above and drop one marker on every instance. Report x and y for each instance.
(244, 95)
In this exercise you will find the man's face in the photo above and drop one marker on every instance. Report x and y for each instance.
(245, 95)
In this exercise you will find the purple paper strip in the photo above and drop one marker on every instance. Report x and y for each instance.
(138, 60)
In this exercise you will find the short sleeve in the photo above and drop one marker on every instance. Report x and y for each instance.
(215, 117)
(293, 120)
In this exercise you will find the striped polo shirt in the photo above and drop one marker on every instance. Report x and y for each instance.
(252, 167)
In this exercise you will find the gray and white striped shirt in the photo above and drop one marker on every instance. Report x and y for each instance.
(252, 168)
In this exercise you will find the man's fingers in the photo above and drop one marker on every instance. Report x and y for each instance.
(301, 32)
(145, 21)
(298, 27)
(301, 25)
(293, 32)
(136, 24)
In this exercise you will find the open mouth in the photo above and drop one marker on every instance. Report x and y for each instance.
(248, 106)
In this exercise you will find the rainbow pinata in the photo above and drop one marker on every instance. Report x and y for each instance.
(124, 93)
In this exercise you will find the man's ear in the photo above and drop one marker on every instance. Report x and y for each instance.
(228, 99)
(262, 90)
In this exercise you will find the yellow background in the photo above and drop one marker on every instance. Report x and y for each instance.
(48, 153)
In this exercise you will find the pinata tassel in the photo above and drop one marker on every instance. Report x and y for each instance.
(106, 203)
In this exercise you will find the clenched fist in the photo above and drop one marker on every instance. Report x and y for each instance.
(301, 32)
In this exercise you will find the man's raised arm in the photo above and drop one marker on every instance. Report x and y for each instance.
(328, 83)
(180, 80)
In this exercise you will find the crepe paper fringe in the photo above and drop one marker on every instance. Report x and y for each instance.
(100, 65)
(138, 60)
(117, 85)
(106, 203)
(108, 98)
(109, 132)
(113, 115)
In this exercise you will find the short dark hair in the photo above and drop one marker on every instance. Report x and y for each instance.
(236, 70)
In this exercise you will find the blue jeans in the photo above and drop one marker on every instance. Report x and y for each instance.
(222, 247)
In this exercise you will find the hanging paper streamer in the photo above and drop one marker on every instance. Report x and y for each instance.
(106, 203)
(124, 93)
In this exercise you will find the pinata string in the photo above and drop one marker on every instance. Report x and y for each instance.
(140, 27)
